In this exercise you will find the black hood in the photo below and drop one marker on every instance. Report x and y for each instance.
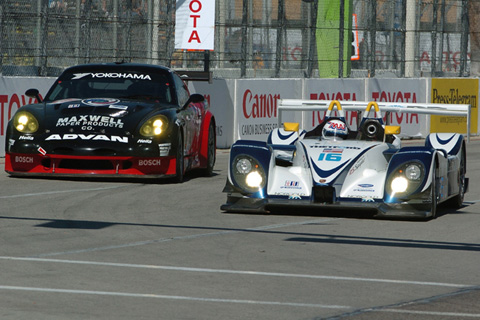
(100, 115)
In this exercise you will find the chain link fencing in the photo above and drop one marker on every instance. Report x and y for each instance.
(253, 38)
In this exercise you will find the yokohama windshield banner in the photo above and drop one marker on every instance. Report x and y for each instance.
(12, 97)
(195, 24)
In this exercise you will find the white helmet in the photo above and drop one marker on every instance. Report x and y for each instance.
(335, 129)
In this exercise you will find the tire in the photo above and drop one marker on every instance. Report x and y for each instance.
(180, 160)
(211, 152)
(457, 201)
(434, 187)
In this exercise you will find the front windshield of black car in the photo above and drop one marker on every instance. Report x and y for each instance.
(153, 87)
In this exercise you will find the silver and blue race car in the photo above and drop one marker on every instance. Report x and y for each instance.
(334, 167)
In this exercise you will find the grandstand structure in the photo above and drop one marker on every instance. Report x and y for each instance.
(253, 38)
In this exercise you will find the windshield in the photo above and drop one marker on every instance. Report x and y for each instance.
(124, 85)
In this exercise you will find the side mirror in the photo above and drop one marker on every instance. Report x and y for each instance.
(195, 98)
(33, 93)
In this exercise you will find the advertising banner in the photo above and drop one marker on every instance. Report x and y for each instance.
(401, 90)
(333, 89)
(256, 104)
(195, 24)
(12, 97)
(455, 91)
(219, 95)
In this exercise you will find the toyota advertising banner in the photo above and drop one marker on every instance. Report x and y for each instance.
(333, 89)
(195, 24)
(12, 97)
(401, 90)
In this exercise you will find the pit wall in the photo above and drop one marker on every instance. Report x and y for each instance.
(247, 108)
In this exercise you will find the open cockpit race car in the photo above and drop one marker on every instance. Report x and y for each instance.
(333, 167)
(112, 120)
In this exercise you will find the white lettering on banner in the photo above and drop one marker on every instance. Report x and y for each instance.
(73, 136)
(259, 105)
(112, 75)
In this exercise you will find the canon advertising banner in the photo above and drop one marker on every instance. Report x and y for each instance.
(333, 89)
(402, 90)
(12, 97)
(256, 112)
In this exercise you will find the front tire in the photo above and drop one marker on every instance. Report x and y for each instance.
(434, 188)
(180, 160)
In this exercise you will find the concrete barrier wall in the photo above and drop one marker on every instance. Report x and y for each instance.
(247, 108)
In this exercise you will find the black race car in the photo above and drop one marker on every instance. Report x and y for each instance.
(113, 120)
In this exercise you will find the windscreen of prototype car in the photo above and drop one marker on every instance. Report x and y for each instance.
(153, 87)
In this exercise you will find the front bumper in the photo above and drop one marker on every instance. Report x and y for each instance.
(18, 164)
(378, 209)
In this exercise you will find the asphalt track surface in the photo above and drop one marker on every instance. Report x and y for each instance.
(88, 249)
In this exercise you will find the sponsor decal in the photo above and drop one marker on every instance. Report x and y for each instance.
(100, 102)
(90, 121)
(149, 162)
(144, 141)
(320, 146)
(365, 185)
(357, 165)
(117, 106)
(291, 185)
(71, 106)
(30, 138)
(11, 142)
(92, 137)
(23, 159)
(112, 75)
(42, 151)
(333, 150)
(164, 149)
(368, 199)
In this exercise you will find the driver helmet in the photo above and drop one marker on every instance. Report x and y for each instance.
(334, 129)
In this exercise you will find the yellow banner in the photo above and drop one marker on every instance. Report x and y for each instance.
(454, 91)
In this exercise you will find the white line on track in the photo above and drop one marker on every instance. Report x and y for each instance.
(432, 313)
(57, 192)
(238, 272)
(159, 296)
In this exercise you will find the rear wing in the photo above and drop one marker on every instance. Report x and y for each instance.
(461, 110)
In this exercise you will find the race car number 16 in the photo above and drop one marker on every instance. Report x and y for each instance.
(330, 157)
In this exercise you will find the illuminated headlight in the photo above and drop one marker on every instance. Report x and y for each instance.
(25, 122)
(399, 185)
(254, 179)
(248, 173)
(154, 126)
(413, 172)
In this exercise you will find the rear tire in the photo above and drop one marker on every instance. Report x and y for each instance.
(211, 152)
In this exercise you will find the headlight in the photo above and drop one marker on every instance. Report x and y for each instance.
(399, 185)
(154, 126)
(413, 172)
(407, 178)
(25, 122)
(248, 173)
